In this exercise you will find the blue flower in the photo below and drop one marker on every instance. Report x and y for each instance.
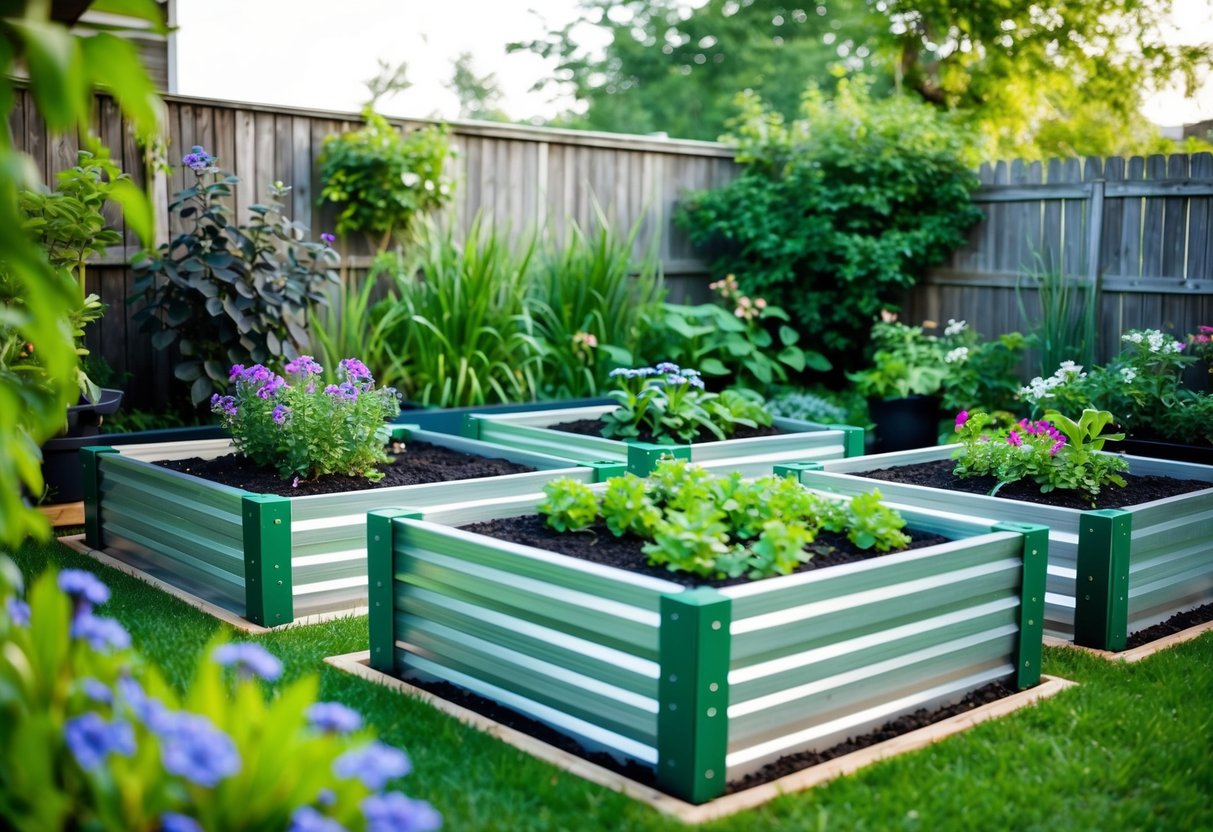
(626, 372)
(334, 718)
(393, 812)
(92, 739)
(102, 634)
(198, 159)
(248, 660)
(280, 413)
(151, 712)
(354, 370)
(326, 797)
(174, 822)
(18, 612)
(307, 819)
(373, 764)
(85, 590)
(97, 690)
(191, 746)
(667, 367)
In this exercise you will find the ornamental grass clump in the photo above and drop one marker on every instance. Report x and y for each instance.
(721, 527)
(92, 737)
(304, 428)
(1055, 452)
(668, 404)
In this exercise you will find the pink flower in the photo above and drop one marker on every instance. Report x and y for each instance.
(1014, 439)
(961, 418)
(1057, 446)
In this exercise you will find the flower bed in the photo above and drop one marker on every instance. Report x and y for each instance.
(269, 558)
(702, 684)
(533, 432)
(1111, 571)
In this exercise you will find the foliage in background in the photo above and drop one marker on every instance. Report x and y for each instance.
(807, 406)
(93, 738)
(721, 527)
(1066, 328)
(983, 373)
(732, 338)
(228, 293)
(592, 302)
(382, 182)
(305, 429)
(836, 214)
(479, 95)
(457, 317)
(63, 72)
(906, 361)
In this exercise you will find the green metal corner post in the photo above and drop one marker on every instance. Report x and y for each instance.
(90, 460)
(693, 693)
(1101, 607)
(267, 559)
(794, 469)
(381, 580)
(603, 471)
(470, 429)
(1032, 600)
(644, 456)
(852, 440)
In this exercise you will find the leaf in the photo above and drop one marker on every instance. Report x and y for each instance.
(788, 336)
(816, 361)
(163, 338)
(214, 306)
(136, 208)
(188, 370)
(713, 367)
(793, 357)
(200, 390)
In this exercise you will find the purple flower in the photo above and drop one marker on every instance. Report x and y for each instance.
(271, 387)
(354, 370)
(92, 739)
(328, 239)
(307, 819)
(295, 482)
(102, 634)
(236, 372)
(667, 367)
(280, 413)
(85, 590)
(961, 418)
(1057, 446)
(373, 764)
(198, 159)
(192, 747)
(1013, 438)
(175, 822)
(304, 366)
(97, 690)
(333, 718)
(393, 812)
(18, 612)
(151, 712)
(346, 391)
(248, 660)
(223, 405)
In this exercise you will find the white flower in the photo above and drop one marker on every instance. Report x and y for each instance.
(957, 356)
(1155, 339)
(1128, 374)
(955, 327)
(1068, 368)
(410, 179)
(1132, 337)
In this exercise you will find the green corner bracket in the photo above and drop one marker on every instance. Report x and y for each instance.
(794, 469)
(268, 598)
(381, 581)
(470, 427)
(852, 440)
(1101, 607)
(403, 433)
(693, 693)
(90, 459)
(644, 456)
(1032, 600)
(604, 470)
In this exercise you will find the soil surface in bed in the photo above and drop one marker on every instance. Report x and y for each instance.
(1137, 489)
(593, 427)
(1176, 623)
(419, 462)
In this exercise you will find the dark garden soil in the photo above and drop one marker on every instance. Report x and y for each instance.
(597, 544)
(1176, 623)
(1137, 489)
(420, 462)
(593, 427)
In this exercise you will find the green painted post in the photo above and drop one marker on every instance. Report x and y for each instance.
(693, 693)
(1101, 609)
(852, 440)
(402, 433)
(1032, 600)
(793, 469)
(603, 471)
(381, 584)
(644, 456)
(470, 429)
(89, 458)
(267, 559)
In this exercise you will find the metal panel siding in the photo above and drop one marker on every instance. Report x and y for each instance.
(1171, 559)
(542, 440)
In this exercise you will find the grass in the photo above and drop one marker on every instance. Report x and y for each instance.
(1127, 749)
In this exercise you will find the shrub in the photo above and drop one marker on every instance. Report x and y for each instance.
(807, 407)
(94, 738)
(305, 429)
(228, 293)
(836, 214)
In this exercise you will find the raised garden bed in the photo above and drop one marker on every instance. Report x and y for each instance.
(533, 432)
(703, 685)
(1111, 571)
(269, 558)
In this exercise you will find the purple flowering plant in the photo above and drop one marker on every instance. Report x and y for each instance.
(1056, 452)
(106, 742)
(304, 428)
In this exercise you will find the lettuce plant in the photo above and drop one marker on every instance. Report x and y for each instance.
(91, 737)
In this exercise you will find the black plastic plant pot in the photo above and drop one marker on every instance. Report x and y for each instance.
(61, 468)
(905, 424)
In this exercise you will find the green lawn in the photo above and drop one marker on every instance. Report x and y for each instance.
(1130, 748)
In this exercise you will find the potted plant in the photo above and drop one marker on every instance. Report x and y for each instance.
(269, 523)
(1121, 557)
(666, 411)
(700, 681)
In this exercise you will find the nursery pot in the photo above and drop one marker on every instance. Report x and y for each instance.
(903, 424)
(61, 470)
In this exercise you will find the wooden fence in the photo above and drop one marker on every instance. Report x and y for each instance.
(1142, 226)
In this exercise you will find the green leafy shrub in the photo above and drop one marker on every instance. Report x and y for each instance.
(306, 430)
(907, 361)
(381, 181)
(227, 293)
(807, 407)
(836, 214)
(94, 738)
(718, 527)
